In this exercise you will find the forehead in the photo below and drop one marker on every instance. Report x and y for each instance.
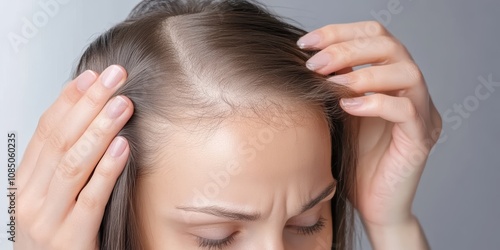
(245, 158)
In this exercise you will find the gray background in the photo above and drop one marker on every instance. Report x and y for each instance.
(454, 42)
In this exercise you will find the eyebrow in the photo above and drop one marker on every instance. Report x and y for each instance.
(325, 193)
(223, 212)
(239, 216)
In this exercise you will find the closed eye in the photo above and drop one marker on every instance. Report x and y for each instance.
(219, 244)
(310, 230)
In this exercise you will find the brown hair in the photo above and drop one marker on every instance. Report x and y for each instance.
(194, 61)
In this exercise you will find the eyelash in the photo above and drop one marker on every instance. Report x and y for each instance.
(221, 244)
(215, 244)
(316, 228)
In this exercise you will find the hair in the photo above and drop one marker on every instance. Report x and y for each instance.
(191, 61)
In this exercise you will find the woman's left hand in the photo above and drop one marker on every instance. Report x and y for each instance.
(398, 125)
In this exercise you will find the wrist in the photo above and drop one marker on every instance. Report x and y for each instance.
(406, 234)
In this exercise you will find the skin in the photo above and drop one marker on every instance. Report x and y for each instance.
(246, 166)
(70, 138)
(397, 128)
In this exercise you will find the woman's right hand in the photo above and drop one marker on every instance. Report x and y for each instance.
(68, 171)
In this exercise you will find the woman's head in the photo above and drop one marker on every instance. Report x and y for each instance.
(234, 142)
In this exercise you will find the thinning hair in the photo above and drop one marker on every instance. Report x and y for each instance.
(200, 62)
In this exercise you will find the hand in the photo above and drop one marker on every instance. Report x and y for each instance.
(398, 125)
(63, 183)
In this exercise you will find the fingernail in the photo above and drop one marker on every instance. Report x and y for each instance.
(318, 61)
(117, 147)
(112, 76)
(339, 79)
(309, 40)
(117, 106)
(351, 102)
(85, 80)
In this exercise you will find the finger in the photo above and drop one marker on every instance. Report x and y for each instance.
(78, 163)
(398, 76)
(70, 95)
(399, 110)
(377, 50)
(72, 127)
(89, 208)
(337, 33)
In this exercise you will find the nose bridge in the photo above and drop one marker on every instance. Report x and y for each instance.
(272, 240)
(274, 244)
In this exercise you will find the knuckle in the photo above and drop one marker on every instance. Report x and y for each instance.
(344, 52)
(102, 123)
(390, 44)
(329, 27)
(410, 109)
(22, 205)
(87, 201)
(376, 98)
(69, 167)
(92, 99)
(39, 233)
(92, 137)
(58, 141)
(44, 130)
(105, 171)
(70, 97)
(329, 30)
(376, 102)
(380, 102)
(23, 215)
(414, 72)
(375, 28)
(365, 76)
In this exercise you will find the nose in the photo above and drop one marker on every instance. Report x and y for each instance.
(272, 242)
(273, 246)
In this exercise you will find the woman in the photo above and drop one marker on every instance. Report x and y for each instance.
(232, 142)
